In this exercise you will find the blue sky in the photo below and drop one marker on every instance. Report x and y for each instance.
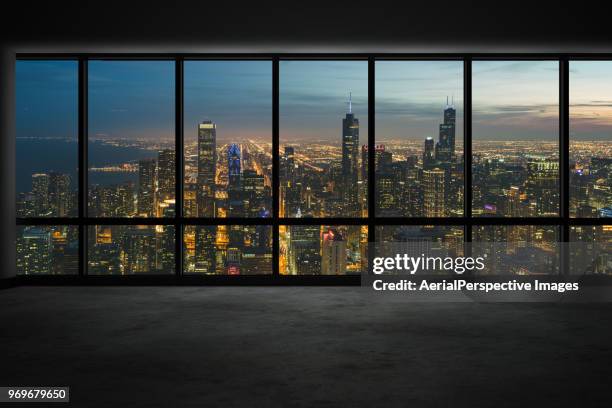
(135, 99)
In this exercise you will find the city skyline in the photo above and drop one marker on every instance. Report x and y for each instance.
(323, 160)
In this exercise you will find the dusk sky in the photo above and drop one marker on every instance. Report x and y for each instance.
(131, 99)
(591, 100)
(314, 99)
(411, 97)
(515, 100)
(46, 99)
(135, 99)
(236, 95)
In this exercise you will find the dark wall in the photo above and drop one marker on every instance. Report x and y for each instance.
(292, 26)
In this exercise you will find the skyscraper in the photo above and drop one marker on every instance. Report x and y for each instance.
(34, 251)
(433, 193)
(207, 168)
(146, 187)
(304, 250)
(428, 154)
(59, 194)
(333, 253)
(350, 162)
(40, 189)
(234, 187)
(166, 174)
(205, 254)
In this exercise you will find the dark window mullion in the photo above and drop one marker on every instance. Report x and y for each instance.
(83, 159)
(275, 166)
(371, 150)
(467, 145)
(564, 161)
(178, 161)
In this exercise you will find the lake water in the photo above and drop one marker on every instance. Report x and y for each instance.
(43, 155)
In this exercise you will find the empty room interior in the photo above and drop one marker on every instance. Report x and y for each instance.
(306, 205)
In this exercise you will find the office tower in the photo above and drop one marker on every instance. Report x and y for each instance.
(205, 253)
(104, 254)
(428, 154)
(234, 187)
(59, 242)
(34, 251)
(146, 187)
(40, 190)
(290, 163)
(233, 164)
(350, 162)
(233, 259)
(447, 133)
(164, 240)
(304, 250)
(59, 194)
(291, 189)
(139, 247)
(433, 193)
(190, 207)
(207, 168)
(333, 253)
(166, 170)
(253, 190)
(364, 163)
(542, 185)
(513, 202)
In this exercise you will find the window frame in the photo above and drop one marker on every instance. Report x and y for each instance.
(467, 221)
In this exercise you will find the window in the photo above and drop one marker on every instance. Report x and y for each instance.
(419, 138)
(46, 144)
(130, 250)
(228, 139)
(228, 249)
(131, 139)
(273, 178)
(323, 249)
(590, 139)
(518, 249)
(47, 250)
(515, 126)
(323, 127)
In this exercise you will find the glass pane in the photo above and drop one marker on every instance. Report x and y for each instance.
(47, 138)
(228, 139)
(47, 250)
(323, 126)
(518, 249)
(515, 138)
(130, 250)
(131, 139)
(228, 249)
(590, 249)
(323, 249)
(590, 139)
(419, 136)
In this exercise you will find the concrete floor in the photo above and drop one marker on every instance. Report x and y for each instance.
(301, 347)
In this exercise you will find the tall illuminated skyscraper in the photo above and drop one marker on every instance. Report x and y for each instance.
(333, 253)
(34, 251)
(205, 254)
(207, 167)
(433, 193)
(146, 187)
(40, 190)
(166, 172)
(350, 161)
(428, 154)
